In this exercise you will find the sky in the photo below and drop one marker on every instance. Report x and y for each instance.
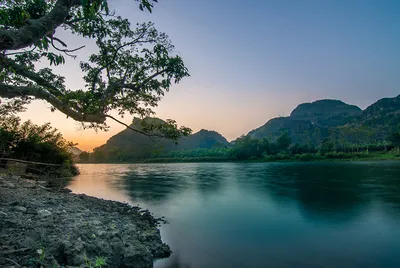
(251, 61)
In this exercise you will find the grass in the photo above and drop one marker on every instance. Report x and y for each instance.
(98, 262)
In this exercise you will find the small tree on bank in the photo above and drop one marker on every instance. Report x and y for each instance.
(129, 73)
(395, 140)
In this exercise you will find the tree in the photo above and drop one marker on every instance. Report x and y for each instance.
(395, 139)
(246, 147)
(284, 141)
(129, 73)
(27, 141)
(84, 156)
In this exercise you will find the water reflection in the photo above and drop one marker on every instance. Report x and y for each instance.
(153, 184)
(208, 178)
(253, 214)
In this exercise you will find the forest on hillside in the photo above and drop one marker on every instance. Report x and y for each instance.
(324, 129)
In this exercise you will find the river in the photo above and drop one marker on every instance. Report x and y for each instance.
(258, 215)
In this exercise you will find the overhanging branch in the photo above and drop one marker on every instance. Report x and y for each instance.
(137, 87)
(131, 128)
(66, 51)
(113, 87)
(36, 29)
(152, 136)
(10, 91)
(6, 62)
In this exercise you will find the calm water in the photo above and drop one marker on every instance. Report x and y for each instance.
(263, 214)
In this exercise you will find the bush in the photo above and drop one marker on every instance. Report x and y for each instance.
(335, 155)
(306, 157)
(30, 142)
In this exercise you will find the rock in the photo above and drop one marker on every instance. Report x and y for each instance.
(65, 190)
(9, 185)
(76, 229)
(19, 208)
(42, 183)
(96, 222)
(43, 213)
(28, 184)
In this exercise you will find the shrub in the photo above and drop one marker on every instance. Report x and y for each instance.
(30, 142)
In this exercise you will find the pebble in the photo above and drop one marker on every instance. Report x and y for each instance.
(19, 208)
(9, 185)
(43, 213)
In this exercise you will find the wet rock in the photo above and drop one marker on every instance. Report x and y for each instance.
(96, 222)
(42, 183)
(28, 184)
(19, 208)
(65, 190)
(76, 228)
(9, 185)
(43, 213)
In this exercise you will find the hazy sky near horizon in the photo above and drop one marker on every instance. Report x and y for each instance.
(251, 61)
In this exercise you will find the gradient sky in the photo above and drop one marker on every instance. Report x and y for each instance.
(251, 61)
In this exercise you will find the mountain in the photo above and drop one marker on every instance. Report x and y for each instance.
(204, 139)
(312, 123)
(326, 112)
(75, 151)
(382, 107)
(130, 145)
(309, 121)
(382, 118)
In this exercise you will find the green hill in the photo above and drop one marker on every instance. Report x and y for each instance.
(326, 112)
(329, 124)
(312, 123)
(129, 145)
(204, 139)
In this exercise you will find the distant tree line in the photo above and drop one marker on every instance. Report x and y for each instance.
(335, 146)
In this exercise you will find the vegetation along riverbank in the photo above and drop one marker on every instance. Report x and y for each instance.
(321, 130)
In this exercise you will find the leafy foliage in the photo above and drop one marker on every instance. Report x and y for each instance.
(27, 141)
(129, 73)
(395, 139)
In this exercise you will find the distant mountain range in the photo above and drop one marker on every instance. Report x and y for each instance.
(309, 123)
(129, 145)
(316, 121)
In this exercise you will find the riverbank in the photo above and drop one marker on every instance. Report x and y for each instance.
(328, 157)
(48, 228)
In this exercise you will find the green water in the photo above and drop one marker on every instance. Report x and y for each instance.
(263, 214)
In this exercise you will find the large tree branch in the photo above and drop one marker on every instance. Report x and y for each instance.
(133, 129)
(36, 29)
(113, 87)
(6, 62)
(10, 91)
(152, 136)
(137, 87)
(98, 71)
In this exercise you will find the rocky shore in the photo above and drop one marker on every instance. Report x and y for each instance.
(41, 227)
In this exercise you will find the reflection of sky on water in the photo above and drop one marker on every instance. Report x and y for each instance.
(249, 214)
